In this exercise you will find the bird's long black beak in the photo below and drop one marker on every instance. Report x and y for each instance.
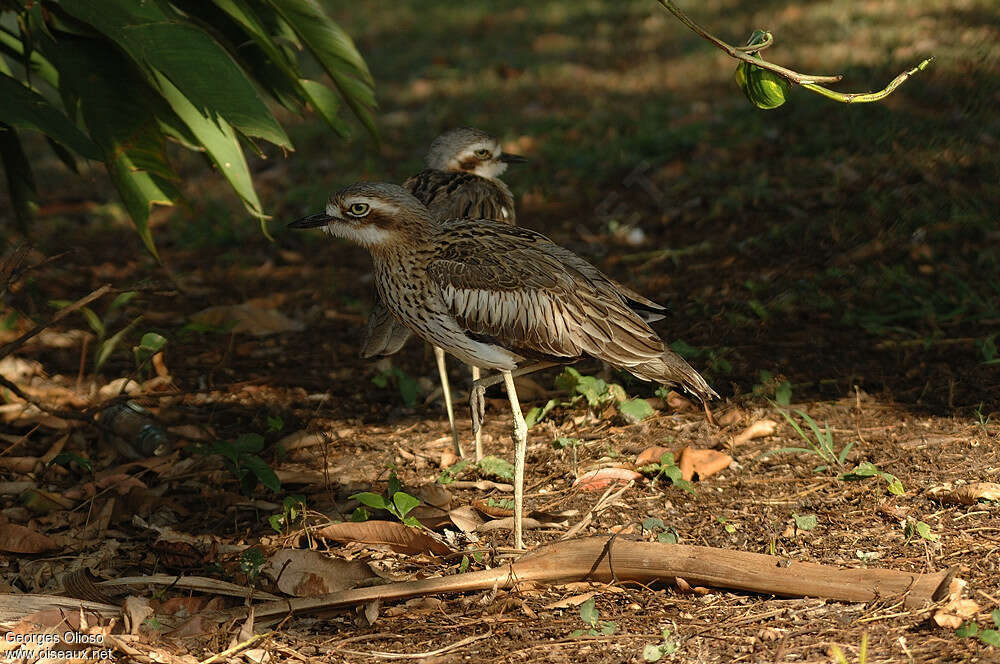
(509, 158)
(312, 221)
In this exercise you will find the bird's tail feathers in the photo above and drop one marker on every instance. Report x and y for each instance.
(672, 369)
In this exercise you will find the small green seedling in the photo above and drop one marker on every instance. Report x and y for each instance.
(241, 458)
(663, 534)
(150, 344)
(804, 521)
(101, 325)
(866, 469)
(667, 468)
(252, 561)
(597, 627)
(820, 444)
(728, 527)
(452, 473)
(396, 502)
(408, 388)
(989, 637)
(919, 529)
(275, 424)
(654, 652)
(293, 509)
(492, 466)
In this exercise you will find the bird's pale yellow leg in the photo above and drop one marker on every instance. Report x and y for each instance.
(446, 390)
(476, 374)
(520, 449)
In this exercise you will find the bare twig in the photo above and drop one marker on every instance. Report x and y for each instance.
(9, 348)
(807, 81)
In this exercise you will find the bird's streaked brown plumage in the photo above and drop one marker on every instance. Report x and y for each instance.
(496, 296)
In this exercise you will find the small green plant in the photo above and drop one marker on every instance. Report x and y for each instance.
(252, 561)
(988, 348)
(492, 466)
(983, 420)
(728, 527)
(396, 502)
(536, 414)
(804, 521)
(988, 637)
(866, 469)
(408, 388)
(663, 534)
(241, 458)
(275, 424)
(777, 386)
(293, 509)
(654, 652)
(919, 529)
(667, 468)
(101, 325)
(150, 344)
(568, 444)
(597, 627)
(69, 459)
(452, 473)
(820, 443)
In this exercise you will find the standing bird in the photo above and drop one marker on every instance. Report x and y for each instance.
(461, 181)
(496, 296)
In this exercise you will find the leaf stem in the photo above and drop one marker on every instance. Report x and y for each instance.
(807, 81)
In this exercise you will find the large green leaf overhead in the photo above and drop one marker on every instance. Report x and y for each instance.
(113, 80)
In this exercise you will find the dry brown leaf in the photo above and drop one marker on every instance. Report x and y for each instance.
(19, 539)
(396, 536)
(758, 429)
(651, 455)
(730, 417)
(967, 494)
(677, 402)
(703, 463)
(448, 459)
(136, 610)
(507, 523)
(249, 317)
(957, 610)
(599, 479)
(465, 518)
(431, 517)
(575, 600)
(492, 511)
(307, 573)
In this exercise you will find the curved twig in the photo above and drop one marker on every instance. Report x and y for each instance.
(807, 81)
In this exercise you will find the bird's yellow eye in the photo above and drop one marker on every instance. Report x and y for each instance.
(358, 209)
(483, 153)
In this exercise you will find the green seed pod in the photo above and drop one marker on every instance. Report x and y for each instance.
(763, 88)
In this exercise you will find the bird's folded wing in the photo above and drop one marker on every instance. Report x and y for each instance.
(506, 284)
(384, 335)
(457, 195)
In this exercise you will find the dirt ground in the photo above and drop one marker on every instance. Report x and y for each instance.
(843, 259)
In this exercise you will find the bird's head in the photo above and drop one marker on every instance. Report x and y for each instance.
(471, 151)
(372, 214)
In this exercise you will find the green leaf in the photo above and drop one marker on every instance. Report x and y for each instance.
(496, 467)
(565, 443)
(108, 345)
(26, 109)
(248, 443)
(589, 613)
(652, 523)
(652, 652)
(373, 500)
(668, 537)
(608, 627)
(990, 637)
(326, 103)
(359, 514)
(336, 52)
(861, 471)
(152, 342)
(404, 502)
(995, 615)
(20, 179)
(635, 410)
(924, 530)
(219, 141)
(967, 630)
(805, 521)
(895, 487)
(783, 394)
(186, 55)
(536, 414)
(262, 471)
(277, 522)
